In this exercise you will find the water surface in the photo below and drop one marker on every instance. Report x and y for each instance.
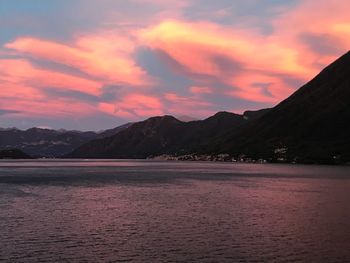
(147, 211)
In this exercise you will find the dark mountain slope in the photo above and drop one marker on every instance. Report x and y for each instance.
(253, 115)
(313, 123)
(198, 133)
(111, 132)
(138, 141)
(160, 135)
(13, 154)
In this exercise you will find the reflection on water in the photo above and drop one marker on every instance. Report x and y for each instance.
(144, 211)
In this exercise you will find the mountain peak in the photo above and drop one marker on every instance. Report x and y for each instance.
(223, 114)
(185, 118)
(253, 115)
(164, 118)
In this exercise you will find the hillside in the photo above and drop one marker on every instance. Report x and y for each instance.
(13, 154)
(312, 125)
(160, 135)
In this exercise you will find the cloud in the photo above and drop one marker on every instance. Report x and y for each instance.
(26, 90)
(257, 66)
(236, 58)
(104, 57)
(22, 74)
(6, 112)
(201, 90)
(58, 108)
(180, 105)
(93, 63)
(311, 21)
(322, 43)
(138, 58)
(134, 106)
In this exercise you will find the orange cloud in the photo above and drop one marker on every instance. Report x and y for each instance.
(200, 48)
(202, 42)
(243, 57)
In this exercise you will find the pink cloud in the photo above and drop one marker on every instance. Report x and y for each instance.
(134, 106)
(202, 45)
(255, 67)
(202, 42)
(180, 105)
(183, 101)
(55, 108)
(208, 49)
(104, 60)
(260, 87)
(22, 73)
(315, 18)
(24, 89)
(105, 57)
(201, 90)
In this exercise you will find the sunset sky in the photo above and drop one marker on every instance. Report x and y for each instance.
(95, 64)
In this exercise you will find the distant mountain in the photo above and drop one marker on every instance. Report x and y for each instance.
(43, 142)
(312, 125)
(160, 135)
(39, 142)
(13, 154)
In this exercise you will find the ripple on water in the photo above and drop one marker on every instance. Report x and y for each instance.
(182, 217)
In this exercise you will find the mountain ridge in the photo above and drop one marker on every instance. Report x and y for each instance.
(13, 154)
(308, 126)
(160, 135)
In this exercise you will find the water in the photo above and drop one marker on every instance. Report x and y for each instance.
(144, 211)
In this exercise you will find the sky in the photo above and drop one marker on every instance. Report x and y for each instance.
(96, 64)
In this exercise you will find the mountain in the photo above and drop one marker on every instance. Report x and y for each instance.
(111, 132)
(160, 135)
(312, 125)
(39, 142)
(13, 154)
(43, 142)
(185, 118)
(253, 115)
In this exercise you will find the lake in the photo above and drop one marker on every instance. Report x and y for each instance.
(149, 211)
